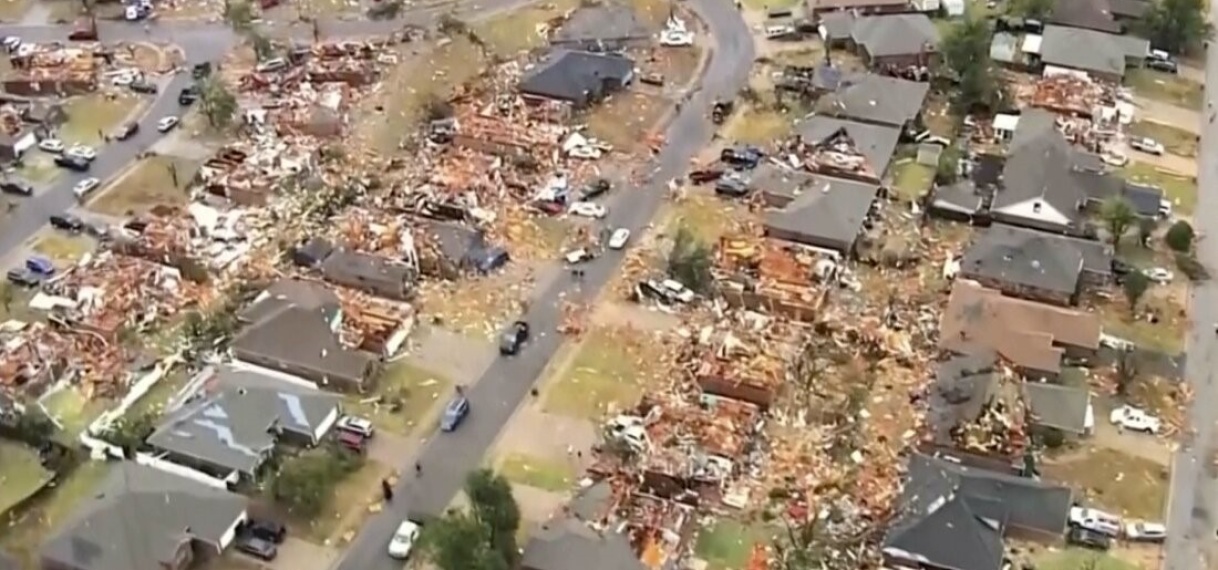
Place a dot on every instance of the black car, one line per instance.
(266, 529)
(257, 547)
(127, 131)
(746, 157)
(141, 86)
(201, 70)
(67, 222)
(72, 163)
(1121, 268)
(1089, 538)
(23, 277)
(597, 188)
(514, 337)
(16, 187)
(188, 95)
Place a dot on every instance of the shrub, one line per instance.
(1180, 236)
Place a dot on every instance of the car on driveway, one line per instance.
(72, 163)
(67, 222)
(40, 265)
(258, 548)
(356, 425)
(81, 151)
(1141, 531)
(188, 95)
(54, 146)
(85, 187)
(1088, 539)
(1159, 275)
(513, 338)
(17, 187)
(167, 124)
(454, 412)
(353, 442)
(1147, 145)
(143, 86)
(404, 539)
(1135, 419)
(267, 529)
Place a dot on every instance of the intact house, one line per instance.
(580, 78)
(1033, 337)
(293, 327)
(878, 99)
(820, 8)
(375, 274)
(892, 42)
(1109, 16)
(239, 419)
(570, 544)
(1038, 266)
(846, 149)
(955, 517)
(1101, 56)
(145, 518)
(818, 211)
(609, 26)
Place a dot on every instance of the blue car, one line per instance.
(454, 412)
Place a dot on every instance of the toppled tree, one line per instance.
(1135, 286)
(1191, 268)
(1118, 216)
(218, 104)
(1180, 237)
(1176, 25)
(483, 538)
(966, 54)
(690, 261)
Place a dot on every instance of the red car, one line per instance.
(352, 441)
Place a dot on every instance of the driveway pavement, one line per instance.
(1194, 488)
(448, 457)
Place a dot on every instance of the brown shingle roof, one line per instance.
(1028, 333)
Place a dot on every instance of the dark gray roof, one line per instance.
(592, 503)
(1057, 406)
(896, 34)
(611, 21)
(1036, 259)
(456, 242)
(837, 25)
(962, 196)
(1129, 8)
(780, 181)
(877, 98)
(139, 518)
(962, 531)
(1089, 50)
(232, 427)
(302, 338)
(876, 142)
(1144, 199)
(349, 266)
(287, 293)
(831, 209)
(567, 544)
(963, 385)
(1090, 14)
(576, 76)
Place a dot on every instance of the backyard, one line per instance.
(73, 411)
(151, 182)
(707, 217)
(405, 398)
(1166, 335)
(726, 544)
(1180, 190)
(912, 179)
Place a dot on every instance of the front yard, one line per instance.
(1175, 140)
(1166, 87)
(92, 116)
(151, 182)
(405, 398)
(1114, 481)
(24, 533)
(1179, 189)
(608, 372)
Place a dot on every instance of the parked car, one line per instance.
(597, 188)
(1088, 539)
(272, 65)
(513, 338)
(86, 186)
(747, 157)
(23, 277)
(81, 151)
(72, 163)
(1147, 145)
(705, 175)
(126, 131)
(54, 146)
(200, 70)
(188, 95)
(352, 441)
(11, 43)
(1095, 520)
(589, 210)
(580, 255)
(676, 38)
(17, 187)
(266, 529)
(125, 77)
(454, 412)
(668, 291)
(1146, 532)
(731, 186)
(166, 124)
(257, 547)
(356, 425)
(1135, 419)
(1159, 275)
(404, 539)
(619, 238)
(40, 265)
(1164, 65)
(143, 86)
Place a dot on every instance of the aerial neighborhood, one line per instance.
(607, 284)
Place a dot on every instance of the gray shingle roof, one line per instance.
(1090, 14)
(139, 518)
(1057, 406)
(963, 385)
(876, 142)
(568, 544)
(1027, 257)
(877, 98)
(1041, 165)
(287, 293)
(302, 338)
(231, 427)
(1090, 50)
(896, 34)
(830, 210)
(576, 76)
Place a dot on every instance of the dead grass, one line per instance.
(802, 56)
(12, 10)
(92, 116)
(1167, 335)
(626, 119)
(911, 179)
(21, 474)
(1114, 481)
(354, 499)
(547, 474)
(1176, 140)
(706, 216)
(417, 389)
(1165, 87)
(62, 247)
(25, 533)
(759, 124)
(608, 372)
(521, 30)
(478, 307)
(149, 183)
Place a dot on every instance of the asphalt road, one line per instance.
(1192, 523)
(447, 457)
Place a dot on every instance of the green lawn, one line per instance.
(21, 474)
(1079, 558)
(149, 183)
(158, 397)
(707, 217)
(73, 411)
(911, 179)
(1174, 139)
(23, 534)
(1180, 190)
(543, 473)
(759, 125)
(418, 390)
(63, 247)
(1167, 335)
(1166, 87)
(726, 544)
(92, 116)
(1139, 492)
(607, 373)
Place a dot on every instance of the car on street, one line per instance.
(1135, 419)
(267, 529)
(72, 163)
(200, 70)
(54, 146)
(676, 38)
(126, 131)
(84, 187)
(188, 95)
(167, 124)
(588, 210)
(143, 86)
(1089, 539)
(597, 188)
(81, 151)
(577, 256)
(356, 425)
(1141, 531)
(1146, 145)
(1159, 275)
(619, 238)
(17, 187)
(747, 157)
(67, 223)
(513, 338)
(125, 77)
(454, 412)
(258, 548)
(22, 277)
(404, 539)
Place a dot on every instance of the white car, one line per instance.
(1135, 419)
(84, 187)
(125, 77)
(1159, 275)
(167, 124)
(578, 256)
(11, 43)
(82, 151)
(403, 540)
(676, 38)
(677, 291)
(1146, 532)
(586, 152)
(589, 210)
(1114, 159)
(1147, 145)
(51, 145)
(1096, 520)
(619, 238)
(356, 425)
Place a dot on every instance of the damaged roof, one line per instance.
(576, 76)
(140, 518)
(1027, 333)
(568, 544)
(1031, 258)
(877, 98)
(963, 385)
(288, 293)
(876, 143)
(896, 34)
(356, 269)
(1089, 50)
(1060, 407)
(235, 426)
(830, 213)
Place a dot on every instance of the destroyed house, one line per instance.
(52, 71)
(895, 41)
(237, 424)
(1033, 337)
(660, 532)
(825, 213)
(741, 368)
(145, 518)
(580, 78)
(609, 26)
(877, 99)
(862, 7)
(846, 149)
(954, 517)
(770, 276)
(1038, 266)
(1102, 56)
(698, 447)
(568, 544)
(448, 249)
(374, 274)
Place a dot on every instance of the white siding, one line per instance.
(231, 534)
(325, 425)
(1029, 210)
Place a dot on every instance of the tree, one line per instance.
(264, 49)
(494, 506)
(239, 14)
(305, 482)
(1126, 372)
(1180, 236)
(690, 261)
(218, 104)
(1176, 25)
(966, 55)
(1033, 9)
(482, 539)
(948, 168)
(1135, 285)
(1118, 216)
(129, 432)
